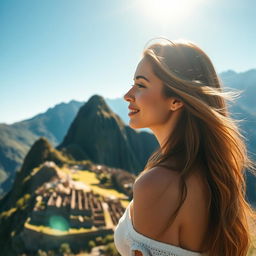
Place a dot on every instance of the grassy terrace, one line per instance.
(90, 179)
(8, 213)
(51, 231)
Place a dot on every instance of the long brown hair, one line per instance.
(208, 137)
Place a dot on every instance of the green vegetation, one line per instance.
(33, 172)
(20, 204)
(91, 244)
(23, 201)
(108, 239)
(8, 213)
(105, 178)
(65, 248)
(107, 242)
(110, 250)
(99, 240)
(41, 253)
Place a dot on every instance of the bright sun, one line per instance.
(165, 11)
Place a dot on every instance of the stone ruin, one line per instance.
(75, 202)
(79, 208)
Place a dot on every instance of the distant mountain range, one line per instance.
(16, 139)
(245, 81)
(93, 131)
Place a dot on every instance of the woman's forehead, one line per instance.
(144, 69)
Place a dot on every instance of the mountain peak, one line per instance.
(37, 152)
(93, 115)
(40, 152)
(97, 99)
(227, 74)
(97, 102)
(41, 143)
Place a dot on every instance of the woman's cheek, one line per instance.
(146, 97)
(142, 99)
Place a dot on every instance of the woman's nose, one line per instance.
(128, 96)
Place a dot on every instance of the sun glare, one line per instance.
(165, 11)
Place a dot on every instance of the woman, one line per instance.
(190, 198)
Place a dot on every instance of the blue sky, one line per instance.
(53, 51)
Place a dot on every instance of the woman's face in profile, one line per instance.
(146, 96)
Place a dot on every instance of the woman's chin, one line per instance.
(135, 126)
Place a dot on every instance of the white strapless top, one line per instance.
(127, 240)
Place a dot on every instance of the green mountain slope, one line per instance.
(16, 206)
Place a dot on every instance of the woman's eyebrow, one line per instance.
(143, 77)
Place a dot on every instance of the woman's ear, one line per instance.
(175, 104)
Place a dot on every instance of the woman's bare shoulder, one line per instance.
(155, 198)
(155, 182)
(159, 181)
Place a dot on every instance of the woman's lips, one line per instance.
(133, 110)
(131, 113)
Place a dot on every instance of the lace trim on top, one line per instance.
(158, 248)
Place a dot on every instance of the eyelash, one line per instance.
(140, 85)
